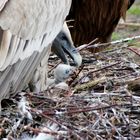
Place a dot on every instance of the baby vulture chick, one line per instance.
(63, 72)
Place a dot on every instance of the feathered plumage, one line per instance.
(96, 19)
(27, 29)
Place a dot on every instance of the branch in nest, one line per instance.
(89, 84)
(114, 42)
(130, 24)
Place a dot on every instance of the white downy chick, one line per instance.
(63, 72)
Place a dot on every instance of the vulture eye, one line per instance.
(63, 38)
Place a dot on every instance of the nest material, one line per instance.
(104, 105)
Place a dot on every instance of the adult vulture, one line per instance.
(96, 19)
(27, 30)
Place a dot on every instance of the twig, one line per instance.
(37, 131)
(80, 48)
(84, 109)
(74, 78)
(53, 112)
(71, 20)
(106, 67)
(114, 42)
(89, 84)
(135, 51)
(130, 24)
(54, 67)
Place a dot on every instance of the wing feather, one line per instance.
(27, 28)
(2, 4)
(5, 43)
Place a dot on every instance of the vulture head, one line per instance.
(63, 44)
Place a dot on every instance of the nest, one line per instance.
(102, 102)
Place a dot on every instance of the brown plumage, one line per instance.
(96, 19)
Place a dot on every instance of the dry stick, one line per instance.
(81, 110)
(71, 20)
(89, 84)
(54, 67)
(37, 131)
(75, 77)
(99, 70)
(2, 131)
(46, 115)
(106, 67)
(43, 114)
(85, 46)
(113, 50)
(52, 112)
(133, 50)
(114, 42)
(130, 24)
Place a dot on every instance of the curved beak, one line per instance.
(63, 45)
